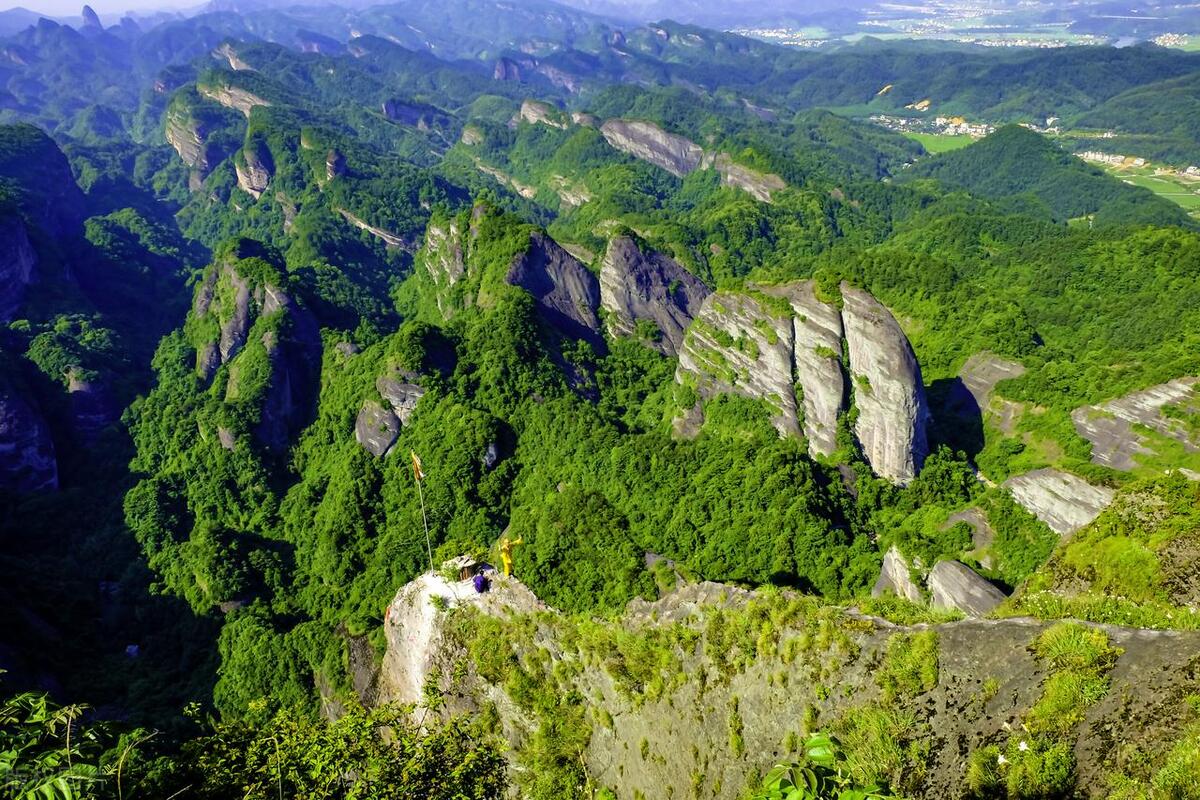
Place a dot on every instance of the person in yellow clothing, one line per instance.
(506, 546)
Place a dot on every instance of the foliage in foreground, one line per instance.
(51, 752)
(821, 775)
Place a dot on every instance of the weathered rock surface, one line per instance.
(254, 170)
(955, 586)
(388, 238)
(982, 371)
(1063, 501)
(413, 627)
(645, 140)
(681, 736)
(892, 411)
(27, 458)
(567, 293)
(817, 365)
(18, 266)
(376, 428)
(895, 576)
(227, 52)
(402, 395)
(738, 344)
(758, 185)
(637, 285)
(233, 97)
(443, 258)
(538, 113)
(1110, 427)
(92, 406)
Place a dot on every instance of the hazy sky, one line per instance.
(105, 8)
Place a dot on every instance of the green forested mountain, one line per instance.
(768, 405)
(1018, 165)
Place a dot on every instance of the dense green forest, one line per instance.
(251, 269)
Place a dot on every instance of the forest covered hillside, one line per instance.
(779, 417)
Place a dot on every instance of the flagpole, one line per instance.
(425, 522)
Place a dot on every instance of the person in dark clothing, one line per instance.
(481, 582)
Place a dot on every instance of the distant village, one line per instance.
(1118, 160)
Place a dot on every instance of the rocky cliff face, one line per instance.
(681, 156)
(713, 715)
(1112, 427)
(895, 577)
(567, 293)
(233, 97)
(954, 585)
(740, 344)
(92, 406)
(638, 286)
(817, 329)
(27, 459)
(892, 410)
(254, 170)
(18, 266)
(1063, 501)
(747, 344)
(243, 315)
(647, 141)
(537, 113)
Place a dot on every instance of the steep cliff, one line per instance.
(27, 459)
(817, 329)
(645, 140)
(18, 266)
(711, 685)
(742, 343)
(648, 287)
(269, 346)
(892, 411)
(254, 167)
(770, 341)
(40, 182)
(567, 293)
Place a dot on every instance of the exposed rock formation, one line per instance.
(335, 165)
(1063, 501)
(387, 237)
(760, 351)
(376, 428)
(681, 156)
(90, 20)
(471, 136)
(636, 285)
(954, 585)
(506, 70)
(647, 141)
(27, 460)
(895, 576)
(92, 406)
(230, 55)
(758, 185)
(892, 410)
(504, 179)
(680, 735)
(817, 366)
(402, 395)
(289, 340)
(1110, 427)
(18, 266)
(740, 344)
(233, 97)
(443, 254)
(535, 113)
(254, 170)
(567, 293)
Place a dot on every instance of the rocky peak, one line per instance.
(636, 286)
(234, 97)
(895, 577)
(335, 165)
(892, 411)
(567, 293)
(90, 19)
